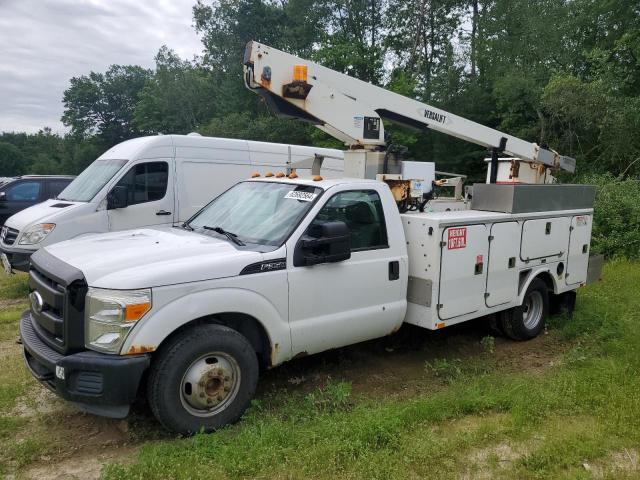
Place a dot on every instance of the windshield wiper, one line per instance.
(231, 236)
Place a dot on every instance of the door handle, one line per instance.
(394, 270)
(163, 212)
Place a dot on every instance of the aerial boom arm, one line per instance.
(352, 110)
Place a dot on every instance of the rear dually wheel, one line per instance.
(527, 320)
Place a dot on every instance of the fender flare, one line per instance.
(154, 328)
(546, 270)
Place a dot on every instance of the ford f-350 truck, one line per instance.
(280, 267)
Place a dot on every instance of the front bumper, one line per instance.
(18, 257)
(97, 383)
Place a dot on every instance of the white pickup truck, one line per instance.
(276, 268)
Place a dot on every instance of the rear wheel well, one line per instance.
(547, 279)
(242, 323)
(526, 279)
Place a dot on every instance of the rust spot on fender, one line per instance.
(140, 349)
(395, 329)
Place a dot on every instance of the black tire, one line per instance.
(527, 321)
(227, 369)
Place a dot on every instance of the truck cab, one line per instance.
(272, 269)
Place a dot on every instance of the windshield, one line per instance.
(91, 180)
(258, 212)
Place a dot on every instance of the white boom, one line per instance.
(352, 110)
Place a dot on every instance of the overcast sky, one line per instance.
(43, 43)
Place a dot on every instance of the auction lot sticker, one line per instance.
(299, 195)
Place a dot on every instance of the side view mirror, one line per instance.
(117, 197)
(323, 243)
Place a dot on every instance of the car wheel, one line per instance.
(203, 379)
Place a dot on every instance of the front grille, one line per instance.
(8, 235)
(57, 310)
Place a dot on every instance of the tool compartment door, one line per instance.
(502, 274)
(462, 270)
(578, 258)
(544, 237)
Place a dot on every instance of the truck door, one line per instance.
(364, 297)
(578, 258)
(502, 275)
(462, 270)
(150, 196)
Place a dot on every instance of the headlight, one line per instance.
(36, 233)
(110, 316)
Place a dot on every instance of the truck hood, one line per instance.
(44, 212)
(151, 257)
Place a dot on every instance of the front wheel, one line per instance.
(528, 320)
(203, 379)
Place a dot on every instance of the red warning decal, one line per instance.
(457, 238)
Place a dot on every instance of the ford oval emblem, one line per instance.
(37, 304)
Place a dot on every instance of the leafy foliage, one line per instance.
(104, 103)
(616, 229)
(11, 161)
(178, 98)
(563, 74)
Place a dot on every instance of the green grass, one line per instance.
(13, 287)
(476, 421)
(584, 411)
(13, 378)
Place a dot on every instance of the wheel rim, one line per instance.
(210, 384)
(532, 309)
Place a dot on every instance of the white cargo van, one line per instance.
(159, 180)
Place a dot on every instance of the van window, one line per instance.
(56, 186)
(91, 180)
(362, 211)
(146, 182)
(24, 192)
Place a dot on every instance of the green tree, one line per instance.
(267, 128)
(178, 98)
(353, 40)
(103, 104)
(227, 25)
(11, 160)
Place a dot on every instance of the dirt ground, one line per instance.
(392, 367)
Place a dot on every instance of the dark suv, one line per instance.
(22, 192)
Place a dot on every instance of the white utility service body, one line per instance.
(467, 264)
(174, 176)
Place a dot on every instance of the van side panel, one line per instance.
(204, 171)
